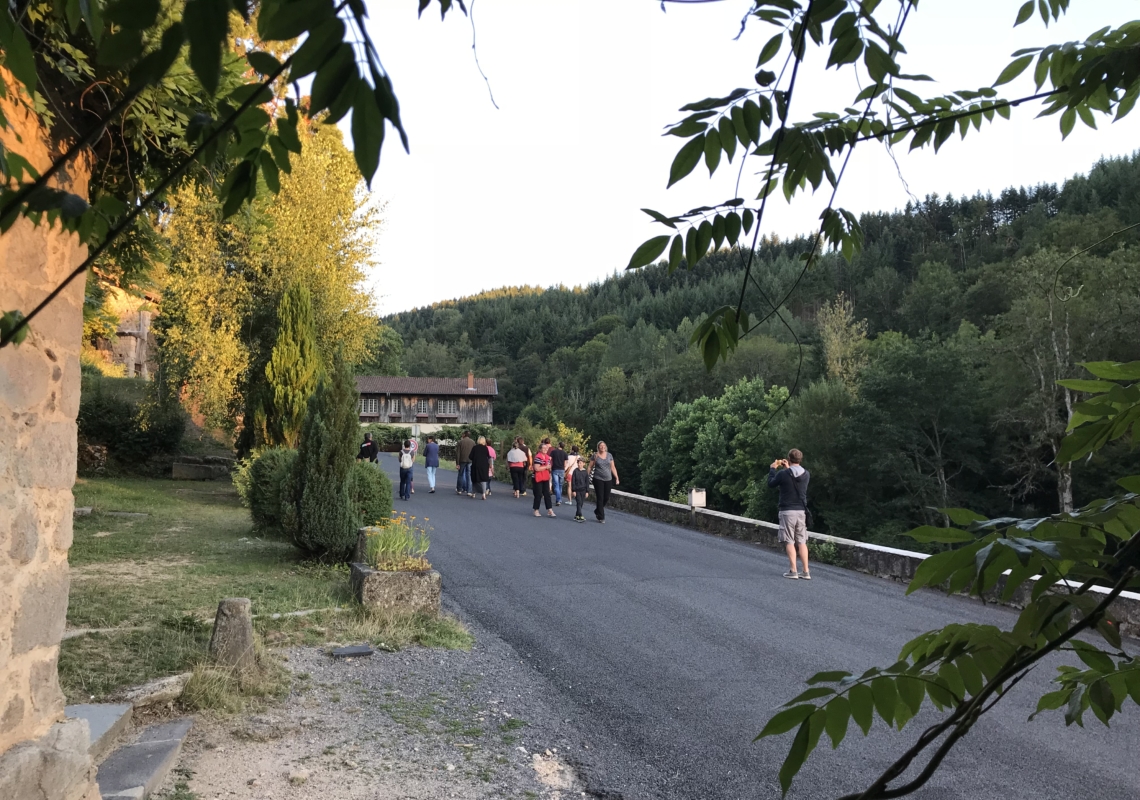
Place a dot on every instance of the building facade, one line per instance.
(426, 404)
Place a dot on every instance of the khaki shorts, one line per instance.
(793, 527)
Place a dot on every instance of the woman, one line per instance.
(517, 462)
(431, 461)
(491, 471)
(605, 474)
(542, 473)
(407, 461)
(480, 467)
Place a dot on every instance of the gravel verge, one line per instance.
(419, 723)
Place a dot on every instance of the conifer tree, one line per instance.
(293, 368)
(325, 522)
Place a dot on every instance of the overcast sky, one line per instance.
(546, 188)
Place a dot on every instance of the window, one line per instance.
(369, 405)
(394, 406)
(422, 407)
(447, 407)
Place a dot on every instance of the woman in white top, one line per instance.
(605, 474)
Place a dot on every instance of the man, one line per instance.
(792, 480)
(558, 462)
(368, 450)
(463, 463)
(431, 461)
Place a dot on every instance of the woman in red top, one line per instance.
(542, 478)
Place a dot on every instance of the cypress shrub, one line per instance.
(293, 369)
(269, 473)
(370, 492)
(325, 522)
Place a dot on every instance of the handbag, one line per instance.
(808, 521)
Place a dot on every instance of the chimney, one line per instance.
(470, 381)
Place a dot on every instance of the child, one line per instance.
(579, 487)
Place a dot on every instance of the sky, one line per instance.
(546, 188)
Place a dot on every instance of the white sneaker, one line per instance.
(795, 576)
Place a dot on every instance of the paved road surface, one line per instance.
(680, 645)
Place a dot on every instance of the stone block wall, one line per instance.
(40, 754)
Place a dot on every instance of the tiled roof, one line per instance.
(385, 384)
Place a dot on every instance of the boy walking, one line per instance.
(579, 487)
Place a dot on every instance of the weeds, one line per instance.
(825, 552)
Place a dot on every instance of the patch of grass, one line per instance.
(165, 573)
(824, 552)
(513, 724)
(97, 665)
(213, 688)
(181, 790)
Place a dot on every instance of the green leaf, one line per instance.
(157, 64)
(813, 693)
(264, 63)
(712, 149)
(838, 715)
(121, 48)
(367, 131)
(239, 183)
(930, 533)
(676, 252)
(785, 720)
(912, 691)
(727, 137)
(807, 737)
(207, 27)
(135, 15)
(1024, 13)
(827, 677)
(648, 251)
(269, 171)
(686, 159)
(691, 254)
(753, 118)
(962, 516)
(320, 44)
(748, 218)
(732, 227)
(718, 232)
(1114, 370)
(862, 706)
(332, 78)
(1052, 701)
(18, 56)
(288, 19)
(769, 50)
(1091, 387)
(1101, 700)
(1093, 657)
(1068, 120)
(704, 239)
(659, 217)
(1015, 68)
(886, 696)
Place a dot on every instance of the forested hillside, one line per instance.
(922, 374)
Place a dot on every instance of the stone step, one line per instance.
(135, 770)
(106, 721)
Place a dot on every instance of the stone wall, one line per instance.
(882, 562)
(41, 756)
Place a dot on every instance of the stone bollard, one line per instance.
(232, 644)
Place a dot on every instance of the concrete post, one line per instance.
(232, 644)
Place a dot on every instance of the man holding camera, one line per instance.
(791, 479)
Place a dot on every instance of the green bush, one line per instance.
(320, 517)
(370, 492)
(269, 473)
(121, 414)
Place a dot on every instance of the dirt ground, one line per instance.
(420, 723)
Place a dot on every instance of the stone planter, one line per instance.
(404, 592)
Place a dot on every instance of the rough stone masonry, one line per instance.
(42, 756)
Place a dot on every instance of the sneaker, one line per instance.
(431, 491)
(795, 576)
(806, 576)
(550, 513)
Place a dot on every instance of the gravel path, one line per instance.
(419, 723)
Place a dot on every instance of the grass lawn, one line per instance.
(159, 577)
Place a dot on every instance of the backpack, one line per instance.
(406, 459)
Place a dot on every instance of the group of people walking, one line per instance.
(554, 473)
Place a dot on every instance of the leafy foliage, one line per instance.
(269, 472)
(1097, 76)
(397, 546)
(370, 492)
(132, 428)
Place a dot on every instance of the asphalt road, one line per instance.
(680, 645)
